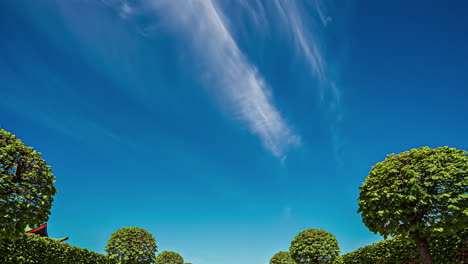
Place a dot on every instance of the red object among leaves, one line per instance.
(37, 229)
(42, 230)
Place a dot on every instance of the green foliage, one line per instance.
(393, 250)
(33, 249)
(282, 257)
(402, 249)
(26, 187)
(314, 246)
(423, 191)
(169, 257)
(132, 245)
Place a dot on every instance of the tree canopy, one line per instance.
(314, 246)
(26, 187)
(282, 257)
(417, 192)
(169, 257)
(132, 245)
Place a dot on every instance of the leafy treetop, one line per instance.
(26, 187)
(169, 257)
(132, 245)
(314, 246)
(417, 192)
(423, 190)
(282, 257)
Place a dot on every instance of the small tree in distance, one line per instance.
(314, 246)
(169, 257)
(132, 245)
(282, 257)
(420, 192)
(26, 187)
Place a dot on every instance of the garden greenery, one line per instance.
(282, 257)
(402, 249)
(34, 249)
(132, 245)
(169, 257)
(314, 246)
(421, 193)
(26, 187)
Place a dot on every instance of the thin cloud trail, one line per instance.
(256, 10)
(291, 19)
(229, 70)
(307, 32)
(308, 41)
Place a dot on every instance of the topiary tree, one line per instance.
(314, 246)
(282, 257)
(169, 257)
(132, 245)
(419, 192)
(26, 187)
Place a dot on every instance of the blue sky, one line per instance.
(226, 127)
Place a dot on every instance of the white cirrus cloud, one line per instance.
(229, 70)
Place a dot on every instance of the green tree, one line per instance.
(26, 187)
(282, 257)
(169, 257)
(418, 192)
(314, 246)
(132, 245)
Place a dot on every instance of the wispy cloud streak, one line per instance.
(306, 42)
(305, 24)
(229, 70)
(307, 32)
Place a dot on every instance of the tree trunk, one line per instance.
(423, 249)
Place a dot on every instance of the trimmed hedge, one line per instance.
(393, 250)
(400, 249)
(33, 249)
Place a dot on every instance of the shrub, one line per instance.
(132, 245)
(314, 246)
(34, 249)
(282, 257)
(402, 249)
(169, 257)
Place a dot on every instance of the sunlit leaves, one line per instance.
(401, 249)
(314, 246)
(33, 249)
(169, 257)
(132, 245)
(420, 190)
(26, 187)
(282, 257)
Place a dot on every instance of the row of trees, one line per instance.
(26, 190)
(136, 245)
(418, 193)
(309, 246)
(421, 193)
